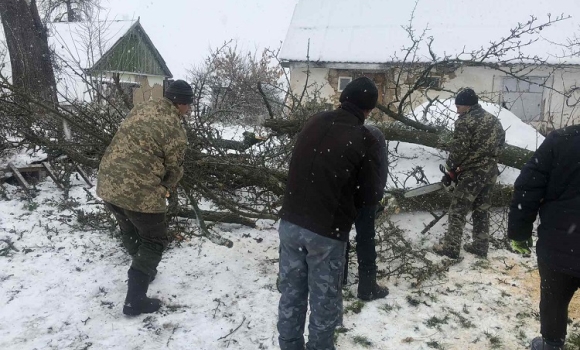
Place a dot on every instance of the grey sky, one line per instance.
(184, 30)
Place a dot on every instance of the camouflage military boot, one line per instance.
(137, 302)
(444, 250)
(540, 343)
(368, 289)
(479, 250)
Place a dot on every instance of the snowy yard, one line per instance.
(62, 285)
(63, 282)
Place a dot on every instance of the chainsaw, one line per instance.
(419, 191)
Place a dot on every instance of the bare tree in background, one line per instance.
(68, 10)
(26, 40)
(230, 85)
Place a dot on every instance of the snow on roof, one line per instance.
(77, 46)
(372, 31)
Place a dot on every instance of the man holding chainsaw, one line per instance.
(471, 169)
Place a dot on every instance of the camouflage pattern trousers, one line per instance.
(473, 192)
(144, 236)
(311, 263)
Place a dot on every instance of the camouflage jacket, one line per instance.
(477, 141)
(144, 159)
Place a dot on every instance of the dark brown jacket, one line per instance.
(333, 171)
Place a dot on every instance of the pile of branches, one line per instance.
(239, 180)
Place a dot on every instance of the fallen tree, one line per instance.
(511, 156)
(243, 181)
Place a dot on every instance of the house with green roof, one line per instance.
(94, 59)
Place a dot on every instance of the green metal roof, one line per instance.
(133, 52)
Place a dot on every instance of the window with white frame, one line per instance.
(343, 82)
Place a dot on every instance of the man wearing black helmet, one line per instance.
(472, 165)
(143, 162)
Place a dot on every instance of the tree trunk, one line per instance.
(511, 156)
(26, 38)
(216, 216)
(70, 12)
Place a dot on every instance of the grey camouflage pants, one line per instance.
(473, 192)
(309, 263)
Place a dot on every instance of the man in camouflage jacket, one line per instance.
(472, 164)
(142, 164)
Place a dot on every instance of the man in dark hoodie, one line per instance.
(333, 173)
(472, 164)
(549, 184)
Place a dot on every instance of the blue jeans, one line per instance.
(309, 263)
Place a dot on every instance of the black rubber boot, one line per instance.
(443, 250)
(368, 289)
(137, 302)
(479, 250)
(152, 277)
(540, 343)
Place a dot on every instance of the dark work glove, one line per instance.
(446, 180)
(448, 177)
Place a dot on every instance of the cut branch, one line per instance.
(407, 121)
(216, 216)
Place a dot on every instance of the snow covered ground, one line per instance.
(62, 286)
(63, 282)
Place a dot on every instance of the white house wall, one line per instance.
(559, 107)
(557, 110)
(317, 82)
